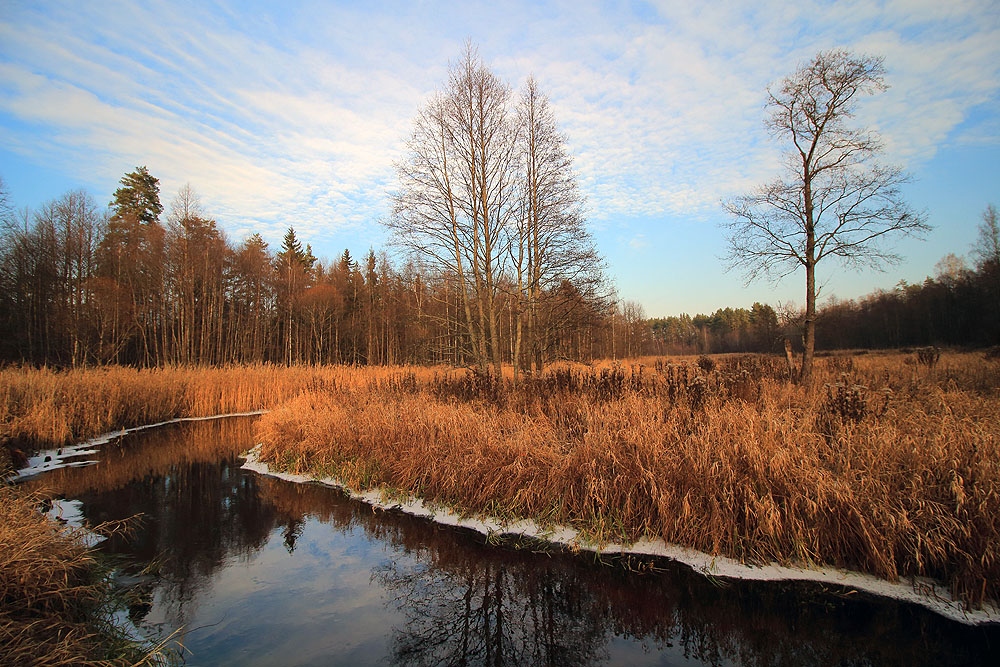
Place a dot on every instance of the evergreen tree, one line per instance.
(130, 266)
(139, 196)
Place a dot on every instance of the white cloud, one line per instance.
(638, 242)
(295, 117)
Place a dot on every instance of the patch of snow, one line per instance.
(70, 514)
(919, 590)
(73, 456)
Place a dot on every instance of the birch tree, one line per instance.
(487, 198)
(986, 250)
(457, 195)
(553, 244)
(835, 199)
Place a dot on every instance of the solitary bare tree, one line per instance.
(836, 199)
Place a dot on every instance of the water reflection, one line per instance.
(260, 571)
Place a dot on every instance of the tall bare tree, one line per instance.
(457, 194)
(488, 199)
(835, 199)
(78, 226)
(986, 251)
(196, 256)
(252, 299)
(987, 247)
(553, 244)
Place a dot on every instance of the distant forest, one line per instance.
(84, 286)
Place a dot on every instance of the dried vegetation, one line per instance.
(885, 464)
(56, 605)
(43, 407)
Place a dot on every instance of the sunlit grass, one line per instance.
(881, 465)
(43, 407)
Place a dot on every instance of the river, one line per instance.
(245, 569)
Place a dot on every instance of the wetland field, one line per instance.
(886, 464)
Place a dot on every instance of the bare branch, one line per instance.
(836, 199)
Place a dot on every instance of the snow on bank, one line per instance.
(919, 590)
(73, 456)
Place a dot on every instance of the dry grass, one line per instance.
(42, 407)
(882, 465)
(56, 605)
(52, 610)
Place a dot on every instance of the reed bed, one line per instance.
(56, 604)
(882, 465)
(44, 407)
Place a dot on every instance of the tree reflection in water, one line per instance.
(451, 599)
(489, 614)
(196, 507)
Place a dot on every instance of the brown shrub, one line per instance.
(54, 607)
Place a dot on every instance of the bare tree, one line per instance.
(987, 246)
(836, 199)
(986, 251)
(252, 299)
(552, 241)
(456, 194)
(488, 197)
(6, 207)
(196, 259)
(79, 226)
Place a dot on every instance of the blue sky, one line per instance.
(292, 114)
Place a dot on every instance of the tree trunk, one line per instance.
(809, 326)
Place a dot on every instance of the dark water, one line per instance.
(256, 571)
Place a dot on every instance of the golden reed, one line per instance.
(882, 465)
(42, 407)
(57, 604)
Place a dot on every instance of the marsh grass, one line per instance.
(43, 407)
(57, 606)
(883, 465)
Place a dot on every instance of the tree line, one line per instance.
(84, 286)
(81, 285)
(958, 307)
(499, 267)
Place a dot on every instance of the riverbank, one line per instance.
(46, 408)
(58, 606)
(922, 591)
(883, 466)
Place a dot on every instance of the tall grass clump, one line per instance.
(883, 465)
(57, 606)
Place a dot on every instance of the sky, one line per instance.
(293, 114)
